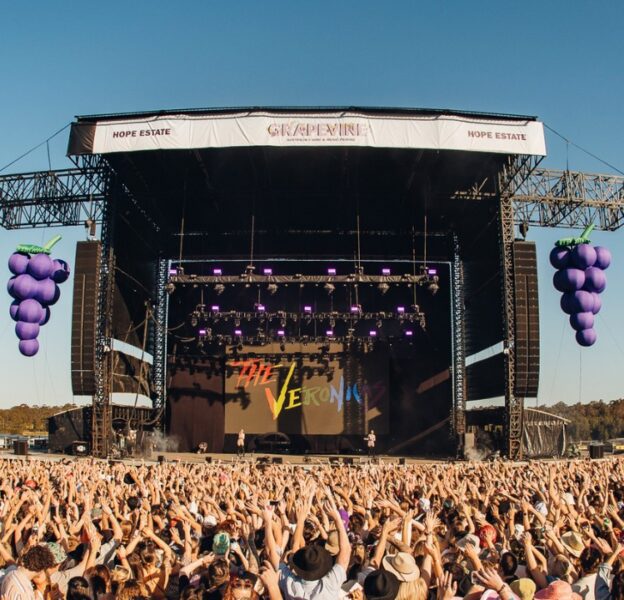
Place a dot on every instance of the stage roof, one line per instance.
(432, 129)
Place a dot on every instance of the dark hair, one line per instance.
(509, 564)
(132, 502)
(38, 558)
(590, 559)
(78, 589)
(617, 587)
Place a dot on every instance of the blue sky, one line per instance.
(557, 60)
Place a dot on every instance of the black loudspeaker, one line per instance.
(84, 317)
(161, 458)
(80, 448)
(263, 460)
(596, 451)
(348, 460)
(527, 319)
(278, 460)
(20, 447)
(208, 459)
(402, 461)
(334, 460)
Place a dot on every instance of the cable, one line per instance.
(34, 148)
(567, 141)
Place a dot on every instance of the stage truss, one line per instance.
(527, 195)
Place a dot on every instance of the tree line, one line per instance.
(596, 420)
(25, 419)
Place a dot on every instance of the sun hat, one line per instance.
(524, 588)
(569, 498)
(381, 585)
(573, 543)
(557, 590)
(311, 562)
(402, 565)
(469, 538)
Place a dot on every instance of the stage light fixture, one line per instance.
(259, 307)
(331, 271)
(272, 288)
(219, 288)
(214, 308)
(217, 272)
(329, 333)
(281, 332)
(383, 288)
(409, 332)
(329, 288)
(372, 333)
(401, 309)
(307, 309)
(202, 332)
(173, 271)
(385, 271)
(431, 271)
(356, 308)
(238, 332)
(267, 271)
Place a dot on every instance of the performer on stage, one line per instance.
(240, 443)
(371, 438)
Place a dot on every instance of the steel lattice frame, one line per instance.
(159, 352)
(458, 415)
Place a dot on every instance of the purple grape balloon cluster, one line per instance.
(580, 276)
(34, 287)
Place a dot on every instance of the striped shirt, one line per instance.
(16, 585)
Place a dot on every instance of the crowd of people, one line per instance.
(93, 530)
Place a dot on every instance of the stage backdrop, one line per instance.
(311, 395)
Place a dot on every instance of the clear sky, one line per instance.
(558, 60)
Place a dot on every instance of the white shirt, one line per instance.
(16, 585)
(295, 588)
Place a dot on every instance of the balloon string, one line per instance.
(580, 373)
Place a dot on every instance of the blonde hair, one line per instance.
(412, 590)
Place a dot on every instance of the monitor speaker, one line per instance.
(161, 458)
(526, 319)
(348, 460)
(278, 460)
(20, 447)
(84, 317)
(402, 461)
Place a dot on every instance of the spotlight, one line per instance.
(372, 333)
(383, 287)
(217, 272)
(271, 288)
(281, 332)
(307, 309)
(203, 331)
(219, 288)
(401, 310)
(238, 332)
(432, 271)
(409, 333)
(329, 288)
(173, 271)
(259, 307)
(385, 271)
(331, 271)
(214, 308)
(329, 333)
(267, 271)
(356, 308)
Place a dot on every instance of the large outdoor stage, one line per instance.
(315, 273)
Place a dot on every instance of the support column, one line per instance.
(159, 335)
(458, 369)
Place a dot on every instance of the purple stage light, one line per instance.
(355, 308)
(260, 307)
(307, 309)
(432, 271)
(214, 308)
(409, 332)
(268, 271)
(202, 332)
(329, 332)
(217, 272)
(331, 271)
(173, 271)
(400, 309)
(385, 271)
(372, 333)
(281, 332)
(238, 332)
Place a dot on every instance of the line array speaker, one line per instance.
(527, 319)
(84, 317)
